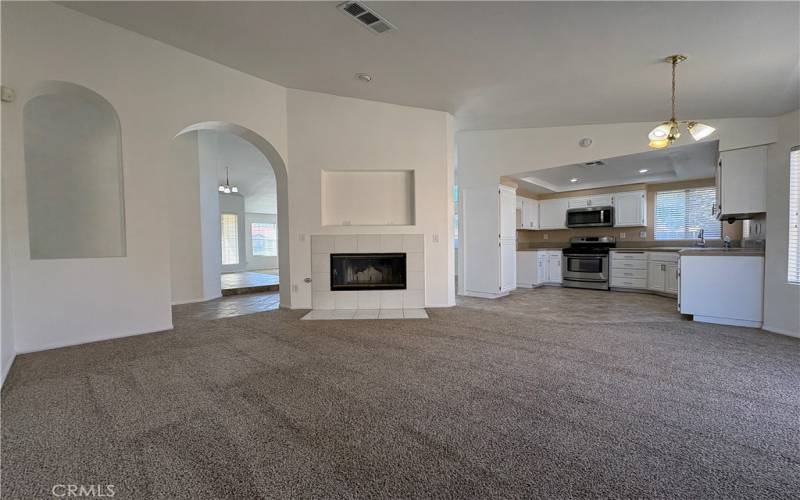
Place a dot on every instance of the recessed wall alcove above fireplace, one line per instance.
(368, 271)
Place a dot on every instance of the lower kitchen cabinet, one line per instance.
(641, 270)
(554, 267)
(711, 292)
(538, 267)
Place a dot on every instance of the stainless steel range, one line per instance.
(585, 262)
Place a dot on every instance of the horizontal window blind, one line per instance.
(794, 216)
(229, 232)
(264, 239)
(680, 214)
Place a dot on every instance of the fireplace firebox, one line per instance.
(368, 271)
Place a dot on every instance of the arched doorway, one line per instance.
(206, 267)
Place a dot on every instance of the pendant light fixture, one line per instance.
(227, 188)
(668, 132)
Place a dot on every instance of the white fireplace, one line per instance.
(376, 261)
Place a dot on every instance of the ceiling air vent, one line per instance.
(598, 163)
(366, 17)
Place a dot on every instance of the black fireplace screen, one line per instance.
(368, 271)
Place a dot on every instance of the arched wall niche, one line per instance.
(73, 173)
(278, 165)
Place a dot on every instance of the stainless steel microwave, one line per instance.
(590, 217)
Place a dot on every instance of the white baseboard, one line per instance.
(484, 295)
(727, 321)
(6, 369)
(781, 331)
(57, 345)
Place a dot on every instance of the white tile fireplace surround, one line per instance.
(413, 297)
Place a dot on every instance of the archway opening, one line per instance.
(228, 214)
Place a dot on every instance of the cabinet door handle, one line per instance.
(663, 267)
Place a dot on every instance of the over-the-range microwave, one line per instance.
(590, 217)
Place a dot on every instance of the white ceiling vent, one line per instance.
(366, 17)
(598, 163)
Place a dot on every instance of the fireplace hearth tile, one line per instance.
(415, 314)
(367, 314)
(391, 314)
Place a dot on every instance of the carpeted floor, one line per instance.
(546, 393)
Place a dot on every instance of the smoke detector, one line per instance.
(366, 17)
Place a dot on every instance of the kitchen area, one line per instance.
(687, 224)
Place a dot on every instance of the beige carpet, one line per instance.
(547, 393)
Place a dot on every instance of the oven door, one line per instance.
(585, 267)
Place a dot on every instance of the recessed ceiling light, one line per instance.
(642, 170)
(364, 77)
(574, 180)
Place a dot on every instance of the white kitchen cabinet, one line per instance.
(629, 269)
(553, 213)
(672, 279)
(662, 272)
(741, 183)
(711, 292)
(554, 267)
(630, 209)
(656, 276)
(489, 241)
(538, 267)
(598, 200)
(527, 213)
(527, 269)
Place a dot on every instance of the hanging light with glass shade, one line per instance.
(228, 188)
(668, 132)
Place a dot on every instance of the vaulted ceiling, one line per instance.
(503, 64)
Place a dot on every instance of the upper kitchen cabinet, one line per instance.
(598, 200)
(741, 183)
(630, 208)
(527, 213)
(553, 213)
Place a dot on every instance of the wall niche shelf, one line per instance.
(367, 198)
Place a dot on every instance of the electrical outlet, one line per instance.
(546, 236)
(622, 236)
(435, 237)
(643, 235)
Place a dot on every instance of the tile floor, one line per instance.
(328, 314)
(227, 307)
(249, 279)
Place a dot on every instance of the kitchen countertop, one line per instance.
(731, 252)
(649, 249)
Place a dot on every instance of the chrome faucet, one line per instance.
(701, 241)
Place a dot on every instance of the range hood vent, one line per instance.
(366, 17)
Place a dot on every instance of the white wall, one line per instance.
(186, 258)
(157, 91)
(234, 204)
(337, 133)
(781, 300)
(255, 262)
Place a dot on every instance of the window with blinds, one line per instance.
(229, 232)
(680, 214)
(794, 216)
(264, 238)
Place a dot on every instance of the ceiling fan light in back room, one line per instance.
(668, 132)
